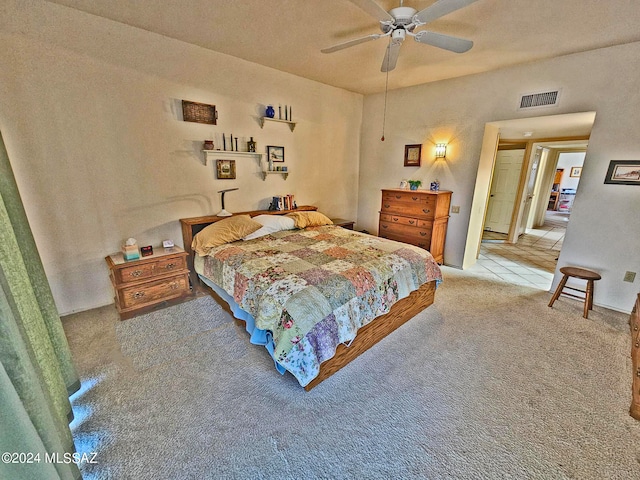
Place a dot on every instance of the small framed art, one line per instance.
(575, 172)
(226, 169)
(199, 112)
(275, 154)
(412, 154)
(623, 172)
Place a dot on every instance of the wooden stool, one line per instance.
(583, 274)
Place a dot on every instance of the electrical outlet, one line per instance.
(455, 208)
(629, 277)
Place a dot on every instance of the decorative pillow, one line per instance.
(271, 224)
(309, 219)
(223, 231)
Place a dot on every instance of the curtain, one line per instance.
(36, 370)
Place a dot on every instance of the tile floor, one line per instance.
(531, 261)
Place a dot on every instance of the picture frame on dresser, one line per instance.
(412, 155)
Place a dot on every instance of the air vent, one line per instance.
(545, 99)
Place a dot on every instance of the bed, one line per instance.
(305, 292)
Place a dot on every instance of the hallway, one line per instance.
(532, 261)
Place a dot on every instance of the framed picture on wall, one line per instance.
(412, 154)
(623, 172)
(575, 172)
(226, 169)
(275, 154)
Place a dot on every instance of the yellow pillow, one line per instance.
(224, 231)
(309, 219)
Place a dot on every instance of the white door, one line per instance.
(532, 178)
(504, 186)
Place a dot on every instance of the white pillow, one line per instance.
(271, 224)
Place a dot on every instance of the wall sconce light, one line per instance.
(441, 150)
(223, 212)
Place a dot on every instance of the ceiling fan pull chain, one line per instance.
(386, 88)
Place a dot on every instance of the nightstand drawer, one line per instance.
(136, 272)
(173, 264)
(151, 292)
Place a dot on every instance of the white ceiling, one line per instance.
(288, 34)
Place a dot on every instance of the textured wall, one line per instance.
(604, 228)
(90, 111)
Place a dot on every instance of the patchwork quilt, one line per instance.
(313, 289)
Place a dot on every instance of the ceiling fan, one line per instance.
(401, 21)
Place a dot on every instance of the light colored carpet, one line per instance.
(486, 383)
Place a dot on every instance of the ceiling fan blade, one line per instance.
(351, 43)
(440, 9)
(391, 57)
(453, 44)
(373, 9)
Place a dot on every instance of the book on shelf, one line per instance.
(283, 202)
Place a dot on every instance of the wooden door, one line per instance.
(504, 186)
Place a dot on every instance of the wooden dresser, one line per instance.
(148, 281)
(418, 217)
(634, 323)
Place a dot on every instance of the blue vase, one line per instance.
(270, 112)
(413, 187)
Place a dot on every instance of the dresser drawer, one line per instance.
(405, 231)
(410, 204)
(153, 291)
(400, 220)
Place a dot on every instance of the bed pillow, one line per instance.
(223, 231)
(271, 224)
(309, 219)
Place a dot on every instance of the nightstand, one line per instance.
(341, 222)
(148, 281)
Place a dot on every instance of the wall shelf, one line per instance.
(292, 125)
(268, 172)
(216, 154)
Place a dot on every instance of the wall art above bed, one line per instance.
(226, 169)
(199, 112)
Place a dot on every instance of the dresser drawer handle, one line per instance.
(170, 266)
(138, 295)
(426, 210)
(411, 222)
(395, 219)
(638, 372)
(398, 196)
(635, 328)
(423, 234)
(386, 205)
(136, 273)
(637, 344)
(174, 286)
(385, 226)
(414, 198)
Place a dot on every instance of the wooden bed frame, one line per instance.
(368, 336)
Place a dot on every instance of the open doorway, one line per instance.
(542, 138)
(551, 176)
